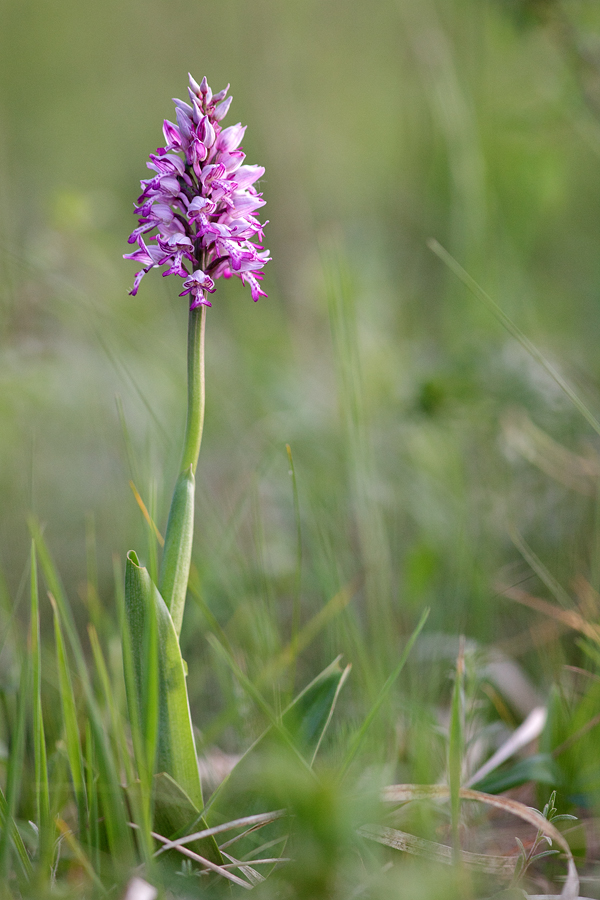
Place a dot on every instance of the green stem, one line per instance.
(195, 410)
(175, 568)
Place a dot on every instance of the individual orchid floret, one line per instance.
(197, 214)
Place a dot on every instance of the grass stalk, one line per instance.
(42, 791)
(385, 690)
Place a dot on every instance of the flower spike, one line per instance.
(198, 212)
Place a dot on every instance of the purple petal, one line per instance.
(231, 138)
(221, 95)
(206, 91)
(183, 106)
(247, 175)
(232, 160)
(194, 85)
(255, 287)
(172, 135)
(222, 109)
(185, 125)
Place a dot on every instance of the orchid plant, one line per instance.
(197, 220)
(197, 217)
(198, 214)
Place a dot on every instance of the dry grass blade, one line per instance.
(568, 617)
(528, 731)
(495, 865)
(403, 793)
(220, 870)
(251, 874)
(579, 473)
(255, 821)
(238, 863)
(262, 847)
(79, 854)
(146, 514)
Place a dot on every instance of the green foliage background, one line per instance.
(380, 125)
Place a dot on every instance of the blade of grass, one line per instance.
(308, 716)
(42, 791)
(456, 746)
(90, 593)
(288, 654)
(144, 510)
(342, 680)
(302, 725)
(92, 794)
(513, 329)
(361, 733)
(42, 795)
(121, 367)
(16, 762)
(152, 534)
(9, 827)
(72, 738)
(80, 855)
(298, 584)
(540, 569)
(55, 587)
(253, 692)
(129, 451)
(111, 795)
(309, 632)
(110, 703)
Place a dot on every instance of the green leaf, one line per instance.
(174, 812)
(253, 692)
(176, 750)
(297, 735)
(175, 816)
(540, 768)
(175, 568)
(308, 717)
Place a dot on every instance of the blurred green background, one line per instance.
(409, 410)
